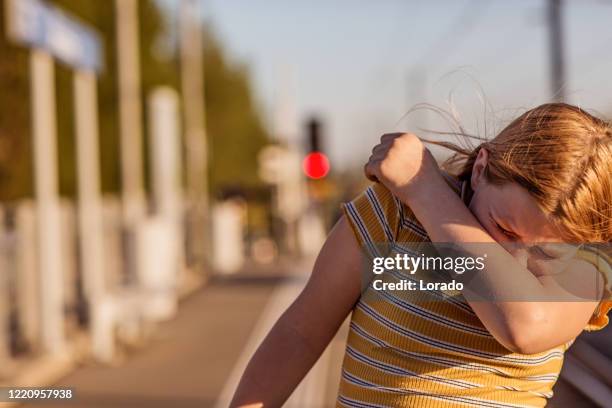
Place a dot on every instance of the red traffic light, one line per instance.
(315, 165)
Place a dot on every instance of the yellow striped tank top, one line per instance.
(428, 348)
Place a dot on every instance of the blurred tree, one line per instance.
(154, 72)
(15, 141)
(234, 128)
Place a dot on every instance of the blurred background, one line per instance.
(170, 168)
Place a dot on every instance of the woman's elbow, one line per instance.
(528, 336)
(524, 343)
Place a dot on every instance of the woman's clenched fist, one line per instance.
(399, 162)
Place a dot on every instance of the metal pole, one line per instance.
(47, 201)
(192, 90)
(557, 60)
(130, 110)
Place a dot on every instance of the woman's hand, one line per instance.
(400, 162)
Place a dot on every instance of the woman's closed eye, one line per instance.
(509, 234)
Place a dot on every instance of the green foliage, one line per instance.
(101, 15)
(235, 131)
(15, 142)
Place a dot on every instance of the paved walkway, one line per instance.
(196, 359)
(188, 359)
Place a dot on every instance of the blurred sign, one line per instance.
(36, 24)
(273, 164)
(280, 166)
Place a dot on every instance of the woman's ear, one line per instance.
(478, 169)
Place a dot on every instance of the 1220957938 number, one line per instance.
(24, 394)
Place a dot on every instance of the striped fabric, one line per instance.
(428, 348)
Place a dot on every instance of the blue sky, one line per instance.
(361, 64)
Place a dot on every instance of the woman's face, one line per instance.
(510, 214)
(512, 217)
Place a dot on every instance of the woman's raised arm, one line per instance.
(554, 316)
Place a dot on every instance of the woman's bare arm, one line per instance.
(305, 329)
(551, 317)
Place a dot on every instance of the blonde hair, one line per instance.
(562, 156)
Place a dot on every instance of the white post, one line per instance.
(47, 201)
(28, 280)
(162, 240)
(69, 244)
(228, 235)
(165, 152)
(91, 234)
(88, 170)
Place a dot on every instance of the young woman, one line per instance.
(546, 178)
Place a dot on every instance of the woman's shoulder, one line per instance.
(381, 214)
